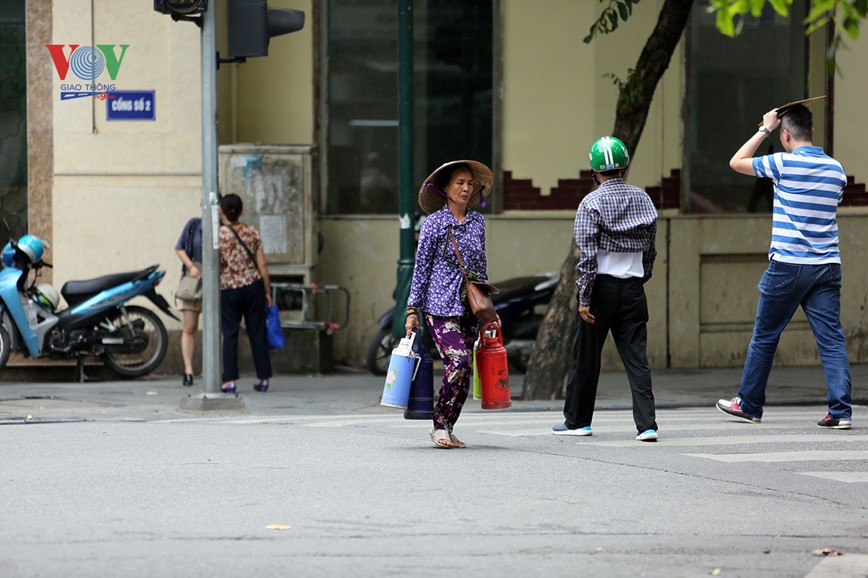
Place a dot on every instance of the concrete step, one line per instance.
(20, 369)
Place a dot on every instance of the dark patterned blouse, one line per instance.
(437, 279)
(237, 267)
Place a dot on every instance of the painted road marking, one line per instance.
(848, 477)
(800, 456)
(738, 440)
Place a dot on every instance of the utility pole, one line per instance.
(211, 398)
(211, 376)
(251, 25)
(406, 185)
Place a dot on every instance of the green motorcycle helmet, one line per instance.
(607, 154)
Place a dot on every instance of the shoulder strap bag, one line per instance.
(478, 294)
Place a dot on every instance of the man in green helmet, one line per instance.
(615, 230)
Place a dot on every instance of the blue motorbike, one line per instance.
(98, 321)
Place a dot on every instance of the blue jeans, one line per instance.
(783, 287)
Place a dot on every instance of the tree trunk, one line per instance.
(551, 356)
(635, 98)
(553, 350)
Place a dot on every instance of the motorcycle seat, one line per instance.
(75, 292)
(516, 286)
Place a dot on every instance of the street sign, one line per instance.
(130, 105)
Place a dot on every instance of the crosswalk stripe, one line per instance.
(800, 456)
(725, 426)
(540, 421)
(739, 440)
(791, 427)
(848, 477)
(532, 423)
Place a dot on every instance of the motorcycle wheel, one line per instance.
(380, 351)
(139, 364)
(5, 346)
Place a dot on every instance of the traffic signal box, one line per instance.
(252, 24)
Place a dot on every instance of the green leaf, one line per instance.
(822, 12)
(825, 5)
(831, 53)
(623, 11)
(756, 7)
(782, 7)
(723, 20)
(810, 29)
(818, 13)
(851, 27)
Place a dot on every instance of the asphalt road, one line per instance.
(316, 479)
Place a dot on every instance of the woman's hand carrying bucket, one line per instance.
(402, 369)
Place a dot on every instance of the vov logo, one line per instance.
(87, 63)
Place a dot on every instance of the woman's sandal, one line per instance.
(441, 438)
(456, 443)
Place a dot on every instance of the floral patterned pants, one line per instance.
(454, 337)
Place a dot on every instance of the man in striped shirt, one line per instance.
(804, 263)
(615, 231)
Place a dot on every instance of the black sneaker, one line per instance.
(733, 407)
(829, 422)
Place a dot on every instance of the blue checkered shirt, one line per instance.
(618, 218)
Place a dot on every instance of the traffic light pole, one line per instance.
(406, 202)
(211, 398)
(252, 40)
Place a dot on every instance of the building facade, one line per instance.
(507, 82)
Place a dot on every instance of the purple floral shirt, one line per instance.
(437, 279)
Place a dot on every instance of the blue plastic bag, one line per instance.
(273, 329)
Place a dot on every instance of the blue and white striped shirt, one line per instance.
(809, 186)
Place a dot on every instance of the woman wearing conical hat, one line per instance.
(451, 195)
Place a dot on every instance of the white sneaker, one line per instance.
(561, 429)
(649, 435)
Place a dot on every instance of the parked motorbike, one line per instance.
(98, 321)
(515, 304)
